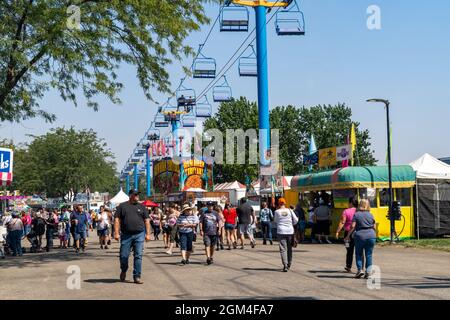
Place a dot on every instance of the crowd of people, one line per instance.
(70, 225)
(219, 229)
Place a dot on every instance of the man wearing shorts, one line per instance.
(80, 223)
(209, 223)
(246, 219)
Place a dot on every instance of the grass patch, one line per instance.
(442, 244)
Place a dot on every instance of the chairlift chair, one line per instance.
(185, 97)
(248, 66)
(203, 109)
(222, 92)
(153, 134)
(290, 22)
(160, 121)
(188, 120)
(234, 18)
(204, 67)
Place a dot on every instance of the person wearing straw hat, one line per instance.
(187, 222)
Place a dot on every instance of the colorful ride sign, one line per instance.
(6, 166)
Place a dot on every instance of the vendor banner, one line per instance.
(6, 166)
(166, 176)
(327, 157)
(344, 152)
(197, 174)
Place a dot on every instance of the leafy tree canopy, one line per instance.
(64, 159)
(42, 48)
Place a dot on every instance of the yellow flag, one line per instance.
(353, 141)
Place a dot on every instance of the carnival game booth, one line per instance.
(370, 183)
(432, 196)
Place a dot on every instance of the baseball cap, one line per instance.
(134, 191)
(210, 203)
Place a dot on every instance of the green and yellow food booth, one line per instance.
(370, 183)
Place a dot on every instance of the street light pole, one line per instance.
(391, 191)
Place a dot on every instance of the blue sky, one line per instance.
(339, 60)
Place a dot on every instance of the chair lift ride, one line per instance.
(185, 97)
(248, 65)
(160, 121)
(203, 109)
(188, 120)
(153, 135)
(222, 92)
(234, 18)
(291, 21)
(203, 67)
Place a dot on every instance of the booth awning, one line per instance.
(355, 177)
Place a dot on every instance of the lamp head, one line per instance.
(379, 100)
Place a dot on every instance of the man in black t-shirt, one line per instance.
(133, 220)
(246, 220)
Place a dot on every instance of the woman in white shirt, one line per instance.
(285, 219)
(103, 227)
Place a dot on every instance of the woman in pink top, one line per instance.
(346, 223)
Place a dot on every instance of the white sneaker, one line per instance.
(329, 242)
(169, 253)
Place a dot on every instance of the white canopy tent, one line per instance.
(235, 189)
(432, 196)
(428, 167)
(119, 198)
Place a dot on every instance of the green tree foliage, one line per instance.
(329, 124)
(39, 50)
(237, 114)
(64, 159)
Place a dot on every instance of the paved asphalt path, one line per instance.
(237, 274)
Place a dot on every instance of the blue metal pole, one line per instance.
(149, 181)
(263, 83)
(127, 181)
(136, 177)
(175, 126)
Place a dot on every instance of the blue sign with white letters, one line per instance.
(6, 160)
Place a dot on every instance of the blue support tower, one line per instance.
(149, 178)
(136, 177)
(127, 182)
(263, 84)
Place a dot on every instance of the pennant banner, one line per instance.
(311, 159)
(327, 157)
(344, 153)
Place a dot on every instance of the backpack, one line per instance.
(40, 226)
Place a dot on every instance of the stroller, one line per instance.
(33, 239)
(4, 246)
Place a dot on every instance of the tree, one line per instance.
(41, 48)
(64, 159)
(237, 114)
(329, 124)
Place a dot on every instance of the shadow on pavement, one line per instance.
(336, 277)
(426, 283)
(325, 271)
(42, 258)
(105, 281)
(263, 269)
(179, 264)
